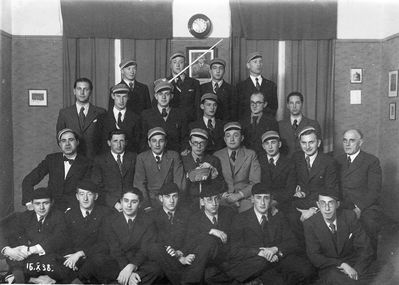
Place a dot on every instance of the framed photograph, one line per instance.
(37, 98)
(393, 84)
(356, 75)
(392, 111)
(200, 69)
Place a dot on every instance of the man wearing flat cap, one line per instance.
(120, 118)
(256, 82)
(209, 105)
(156, 167)
(82, 117)
(222, 89)
(138, 95)
(64, 170)
(240, 168)
(165, 115)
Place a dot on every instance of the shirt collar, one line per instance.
(328, 224)
(211, 217)
(259, 216)
(127, 218)
(71, 157)
(312, 158)
(127, 82)
(353, 156)
(116, 111)
(38, 217)
(80, 105)
(83, 211)
(155, 155)
(298, 119)
(167, 109)
(275, 158)
(218, 83)
(207, 119)
(253, 78)
(116, 155)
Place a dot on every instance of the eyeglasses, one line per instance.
(257, 103)
(330, 204)
(197, 144)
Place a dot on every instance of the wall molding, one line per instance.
(5, 34)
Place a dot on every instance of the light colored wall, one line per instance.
(5, 16)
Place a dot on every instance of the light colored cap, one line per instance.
(120, 88)
(155, 131)
(162, 84)
(253, 55)
(305, 129)
(177, 54)
(232, 126)
(127, 62)
(209, 96)
(219, 61)
(198, 132)
(270, 135)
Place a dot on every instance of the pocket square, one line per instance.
(95, 121)
(350, 235)
(190, 90)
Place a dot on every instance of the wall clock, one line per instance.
(199, 26)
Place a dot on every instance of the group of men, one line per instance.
(201, 185)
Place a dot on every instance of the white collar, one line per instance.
(275, 158)
(298, 119)
(115, 155)
(127, 218)
(259, 216)
(353, 156)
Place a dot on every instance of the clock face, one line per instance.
(199, 26)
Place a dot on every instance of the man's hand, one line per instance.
(299, 193)
(118, 206)
(71, 259)
(357, 211)
(348, 270)
(134, 279)
(185, 152)
(220, 234)
(232, 197)
(29, 206)
(124, 275)
(187, 260)
(269, 253)
(306, 214)
(18, 253)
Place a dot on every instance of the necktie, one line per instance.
(40, 224)
(68, 159)
(271, 161)
(263, 222)
(130, 225)
(233, 156)
(257, 84)
(87, 216)
(179, 83)
(214, 221)
(164, 114)
(119, 161)
(119, 120)
(295, 124)
(210, 125)
(332, 228)
(82, 117)
(216, 88)
(349, 161)
(158, 162)
(131, 85)
(170, 217)
(254, 120)
(197, 161)
(308, 162)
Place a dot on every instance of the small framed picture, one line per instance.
(393, 84)
(356, 75)
(392, 111)
(37, 98)
(200, 68)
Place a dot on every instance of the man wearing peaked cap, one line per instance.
(138, 94)
(200, 69)
(256, 82)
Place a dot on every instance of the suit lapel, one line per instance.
(254, 223)
(325, 233)
(73, 114)
(315, 167)
(166, 163)
(354, 165)
(74, 168)
(342, 232)
(126, 163)
(240, 160)
(225, 162)
(278, 169)
(59, 168)
(91, 115)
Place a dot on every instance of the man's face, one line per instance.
(261, 202)
(120, 100)
(217, 71)
(352, 142)
(309, 144)
(68, 143)
(163, 97)
(233, 139)
(86, 198)
(198, 145)
(294, 105)
(130, 204)
(82, 92)
(255, 66)
(211, 204)
(169, 201)
(41, 206)
(209, 107)
(117, 143)
(177, 64)
(157, 144)
(272, 147)
(129, 72)
(257, 104)
(328, 207)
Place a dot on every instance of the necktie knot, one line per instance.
(170, 217)
(87, 214)
(82, 117)
(130, 224)
(197, 161)
(131, 85)
(263, 221)
(271, 161)
(210, 125)
(164, 113)
(349, 161)
(233, 155)
(68, 160)
(158, 159)
(308, 162)
(216, 87)
(332, 228)
(40, 224)
(257, 85)
(254, 120)
(214, 221)
(295, 124)
(119, 120)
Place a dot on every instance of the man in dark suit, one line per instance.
(360, 181)
(138, 95)
(289, 128)
(39, 237)
(82, 118)
(336, 243)
(114, 170)
(240, 168)
(64, 170)
(165, 115)
(214, 127)
(156, 167)
(129, 235)
(119, 117)
(87, 253)
(263, 246)
(257, 123)
(256, 82)
(223, 90)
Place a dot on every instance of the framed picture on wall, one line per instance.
(393, 84)
(356, 75)
(392, 111)
(37, 98)
(200, 69)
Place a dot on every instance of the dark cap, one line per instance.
(41, 193)
(218, 61)
(232, 126)
(209, 96)
(253, 55)
(261, 188)
(155, 131)
(162, 84)
(88, 185)
(211, 189)
(127, 62)
(120, 88)
(330, 192)
(198, 132)
(168, 188)
(270, 135)
(177, 54)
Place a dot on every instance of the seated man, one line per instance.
(64, 170)
(128, 235)
(114, 170)
(263, 246)
(39, 236)
(156, 167)
(240, 168)
(86, 253)
(336, 243)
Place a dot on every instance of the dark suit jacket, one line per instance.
(139, 98)
(226, 96)
(129, 247)
(131, 125)
(149, 179)
(175, 127)
(106, 174)
(246, 88)
(63, 190)
(289, 136)
(89, 134)
(353, 245)
(281, 177)
(361, 182)
(216, 136)
(253, 133)
(322, 175)
(86, 233)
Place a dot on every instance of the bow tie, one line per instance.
(69, 160)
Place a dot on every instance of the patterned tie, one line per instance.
(210, 125)
(257, 84)
(349, 161)
(233, 155)
(170, 217)
(164, 114)
(87, 214)
(332, 228)
(216, 88)
(119, 162)
(120, 120)
(131, 86)
(295, 124)
(308, 162)
(158, 162)
(197, 161)
(40, 224)
(82, 117)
